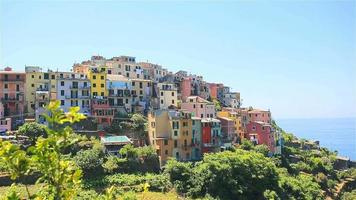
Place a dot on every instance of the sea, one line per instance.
(337, 134)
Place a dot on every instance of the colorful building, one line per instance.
(12, 93)
(141, 95)
(231, 99)
(228, 130)
(97, 77)
(168, 95)
(73, 89)
(155, 72)
(170, 132)
(196, 138)
(185, 88)
(211, 134)
(119, 88)
(199, 107)
(261, 133)
(259, 115)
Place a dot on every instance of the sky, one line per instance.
(296, 58)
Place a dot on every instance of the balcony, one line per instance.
(74, 87)
(42, 89)
(12, 80)
(85, 87)
(11, 99)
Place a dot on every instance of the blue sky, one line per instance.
(296, 58)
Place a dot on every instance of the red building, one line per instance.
(211, 133)
(261, 133)
(186, 88)
(102, 111)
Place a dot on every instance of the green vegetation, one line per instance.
(60, 157)
(33, 130)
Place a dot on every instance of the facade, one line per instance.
(155, 72)
(141, 95)
(73, 89)
(261, 133)
(231, 99)
(97, 77)
(259, 115)
(186, 88)
(211, 133)
(102, 112)
(213, 87)
(199, 107)
(196, 138)
(170, 133)
(40, 89)
(168, 95)
(228, 130)
(12, 93)
(119, 88)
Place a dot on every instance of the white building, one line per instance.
(73, 89)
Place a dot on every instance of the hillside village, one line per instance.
(187, 116)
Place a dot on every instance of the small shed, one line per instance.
(113, 143)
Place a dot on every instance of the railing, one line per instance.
(42, 89)
(73, 87)
(11, 99)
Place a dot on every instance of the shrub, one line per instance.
(89, 161)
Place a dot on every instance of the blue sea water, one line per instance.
(336, 134)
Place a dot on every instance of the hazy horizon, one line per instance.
(297, 59)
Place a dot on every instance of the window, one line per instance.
(32, 85)
(172, 101)
(140, 84)
(94, 77)
(33, 76)
(53, 77)
(175, 144)
(62, 92)
(46, 76)
(102, 94)
(85, 84)
(254, 128)
(5, 86)
(161, 93)
(201, 116)
(17, 77)
(133, 83)
(193, 105)
(62, 83)
(127, 74)
(175, 133)
(172, 94)
(95, 94)
(102, 77)
(165, 142)
(94, 84)
(161, 101)
(39, 77)
(201, 105)
(109, 71)
(102, 85)
(62, 102)
(193, 122)
(166, 152)
(177, 155)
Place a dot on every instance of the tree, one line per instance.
(179, 174)
(33, 130)
(59, 175)
(217, 105)
(263, 149)
(89, 161)
(139, 126)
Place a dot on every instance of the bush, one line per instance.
(89, 161)
(33, 130)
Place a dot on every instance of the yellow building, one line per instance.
(170, 133)
(97, 77)
(40, 88)
(141, 94)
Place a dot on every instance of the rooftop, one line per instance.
(115, 139)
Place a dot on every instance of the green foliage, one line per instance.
(33, 130)
(246, 145)
(263, 149)
(89, 161)
(301, 186)
(59, 175)
(348, 195)
(179, 174)
(129, 196)
(239, 174)
(217, 105)
(129, 152)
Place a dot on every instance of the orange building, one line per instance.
(12, 92)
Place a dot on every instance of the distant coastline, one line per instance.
(337, 134)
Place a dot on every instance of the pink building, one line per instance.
(5, 125)
(186, 88)
(261, 133)
(199, 107)
(228, 129)
(259, 115)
